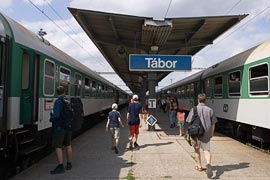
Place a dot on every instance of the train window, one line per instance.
(86, 87)
(99, 90)
(208, 88)
(106, 91)
(191, 91)
(25, 71)
(49, 71)
(183, 92)
(258, 80)
(179, 92)
(65, 79)
(218, 86)
(78, 84)
(234, 83)
(94, 88)
(187, 91)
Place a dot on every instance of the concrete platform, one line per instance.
(162, 155)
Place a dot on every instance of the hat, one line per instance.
(114, 106)
(135, 97)
(180, 108)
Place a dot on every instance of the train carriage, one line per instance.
(31, 69)
(238, 91)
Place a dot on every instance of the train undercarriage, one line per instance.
(244, 132)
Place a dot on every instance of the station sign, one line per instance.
(149, 62)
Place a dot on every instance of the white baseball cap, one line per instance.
(135, 96)
(114, 106)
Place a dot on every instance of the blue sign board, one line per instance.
(145, 62)
(151, 120)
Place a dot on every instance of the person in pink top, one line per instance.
(180, 119)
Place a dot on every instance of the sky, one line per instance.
(64, 32)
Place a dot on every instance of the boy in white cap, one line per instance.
(134, 117)
(114, 119)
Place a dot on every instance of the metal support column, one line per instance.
(152, 76)
(143, 93)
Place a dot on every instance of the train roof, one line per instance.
(2, 29)
(256, 53)
(194, 77)
(27, 38)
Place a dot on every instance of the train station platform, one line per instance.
(163, 154)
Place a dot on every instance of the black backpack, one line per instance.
(195, 128)
(67, 114)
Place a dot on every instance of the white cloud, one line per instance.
(39, 2)
(5, 4)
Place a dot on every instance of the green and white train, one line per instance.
(237, 89)
(30, 70)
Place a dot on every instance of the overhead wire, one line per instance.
(168, 8)
(248, 21)
(233, 6)
(42, 11)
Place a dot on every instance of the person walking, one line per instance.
(180, 120)
(134, 120)
(172, 113)
(208, 120)
(61, 135)
(114, 119)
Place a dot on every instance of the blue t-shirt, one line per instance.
(113, 117)
(134, 110)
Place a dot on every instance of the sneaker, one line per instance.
(136, 145)
(58, 170)
(209, 171)
(130, 147)
(69, 166)
(116, 150)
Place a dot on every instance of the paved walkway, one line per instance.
(162, 155)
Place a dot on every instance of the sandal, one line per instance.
(200, 169)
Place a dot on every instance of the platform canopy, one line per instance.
(117, 36)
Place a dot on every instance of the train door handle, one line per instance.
(28, 98)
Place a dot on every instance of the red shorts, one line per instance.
(133, 129)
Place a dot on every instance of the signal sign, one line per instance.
(151, 120)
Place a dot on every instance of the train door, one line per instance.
(29, 88)
(4, 56)
(1, 93)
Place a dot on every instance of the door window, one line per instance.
(25, 71)
(65, 79)
(49, 72)
(78, 84)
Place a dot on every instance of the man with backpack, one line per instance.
(61, 130)
(208, 121)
